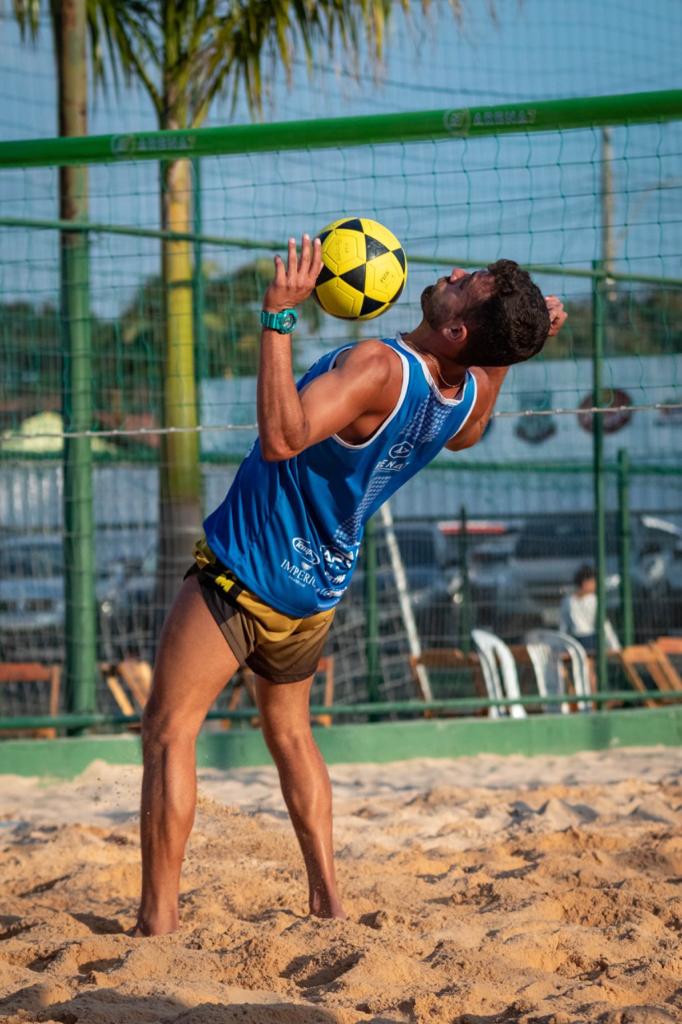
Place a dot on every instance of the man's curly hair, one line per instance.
(510, 326)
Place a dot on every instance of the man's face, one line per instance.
(455, 296)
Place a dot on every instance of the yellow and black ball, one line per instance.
(363, 269)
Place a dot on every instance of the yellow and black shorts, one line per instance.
(276, 646)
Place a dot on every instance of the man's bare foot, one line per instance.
(154, 924)
(324, 905)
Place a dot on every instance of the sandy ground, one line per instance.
(482, 890)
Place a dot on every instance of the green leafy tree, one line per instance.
(639, 321)
(231, 303)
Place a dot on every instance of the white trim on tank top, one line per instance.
(471, 407)
(396, 408)
(429, 379)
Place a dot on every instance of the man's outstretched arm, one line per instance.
(288, 420)
(489, 380)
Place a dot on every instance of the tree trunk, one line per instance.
(180, 477)
(79, 562)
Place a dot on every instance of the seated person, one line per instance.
(578, 613)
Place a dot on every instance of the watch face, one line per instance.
(288, 321)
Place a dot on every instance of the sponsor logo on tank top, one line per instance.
(398, 456)
(298, 574)
(305, 549)
(301, 574)
(335, 562)
(338, 561)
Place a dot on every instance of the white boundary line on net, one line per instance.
(14, 435)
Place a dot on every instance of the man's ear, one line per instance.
(457, 332)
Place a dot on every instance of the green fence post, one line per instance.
(79, 561)
(372, 612)
(598, 312)
(200, 349)
(465, 608)
(624, 550)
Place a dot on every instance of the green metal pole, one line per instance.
(598, 469)
(372, 710)
(200, 348)
(79, 573)
(465, 616)
(372, 612)
(458, 123)
(624, 549)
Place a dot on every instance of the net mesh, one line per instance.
(557, 201)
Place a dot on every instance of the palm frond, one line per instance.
(27, 14)
(241, 35)
(132, 33)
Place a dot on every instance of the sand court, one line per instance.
(483, 890)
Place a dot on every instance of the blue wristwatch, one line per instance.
(282, 322)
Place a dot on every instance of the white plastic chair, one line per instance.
(499, 672)
(548, 675)
(546, 649)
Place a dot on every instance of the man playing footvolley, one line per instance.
(280, 550)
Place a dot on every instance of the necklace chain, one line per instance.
(423, 355)
(442, 378)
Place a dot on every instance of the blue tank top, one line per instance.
(291, 530)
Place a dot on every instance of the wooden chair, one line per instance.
(245, 684)
(25, 672)
(668, 647)
(326, 667)
(129, 682)
(643, 658)
(441, 660)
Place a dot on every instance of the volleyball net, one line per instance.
(129, 339)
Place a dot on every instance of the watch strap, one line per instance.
(283, 322)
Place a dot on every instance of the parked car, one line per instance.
(433, 579)
(32, 601)
(133, 625)
(660, 613)
(519, 591)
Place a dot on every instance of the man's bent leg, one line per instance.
(284, 709)
(193, 664)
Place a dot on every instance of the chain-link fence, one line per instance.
(129, 390)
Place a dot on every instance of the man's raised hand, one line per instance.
(294, 282)
(557, 314)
